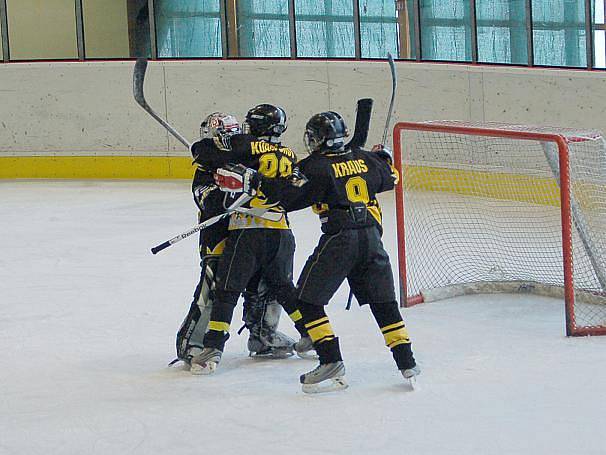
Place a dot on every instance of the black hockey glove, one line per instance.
(384, 152)
(237, 178)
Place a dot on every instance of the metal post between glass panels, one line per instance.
(357, 36)
(417, 29)
(79, 30)
(292, 27)
(4, 29)
(223, 16)
(529, 35)
(474, 31)
(589, 33)
(152, 29)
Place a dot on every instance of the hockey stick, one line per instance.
(363, 114)
(243, 199)
(139, 94)
(138, 81)
(394, 86)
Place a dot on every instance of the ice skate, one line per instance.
(276, 345)
(410, 375)
(327, 377)
(305, 348)
(206, 362)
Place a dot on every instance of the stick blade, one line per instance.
(363, 115)
(138, 80)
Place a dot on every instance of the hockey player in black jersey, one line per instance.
(260, 316)
(341, 187)
(260, 241)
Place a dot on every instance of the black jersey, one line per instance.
(271, 160)
(338, 182)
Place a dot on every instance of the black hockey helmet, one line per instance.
(325, 132)
(265, 120)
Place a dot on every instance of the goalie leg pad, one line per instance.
(191, 333)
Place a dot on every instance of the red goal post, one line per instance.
(492, 207)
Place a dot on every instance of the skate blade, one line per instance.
(203, 370)
(330, 385)
(276, 354)
(412, 382)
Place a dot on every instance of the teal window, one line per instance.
(325, 28)
(559, 32)
(445, 30)
(502, 34)
(263, 28)
(599, 34)
(188, 28)
(378, 28)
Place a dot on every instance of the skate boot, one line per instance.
(206, 362)
(275, 344)
(326, 377)
(410, 374)
(305, 348)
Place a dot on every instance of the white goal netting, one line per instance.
(483, 213)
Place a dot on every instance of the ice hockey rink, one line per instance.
(88, 319)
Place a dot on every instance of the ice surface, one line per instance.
(87, 324)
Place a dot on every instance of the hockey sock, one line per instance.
(286, 297)
(320, 331)
(394, 332)
(220, 319)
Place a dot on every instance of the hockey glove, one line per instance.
(237, 178)
(384, 152)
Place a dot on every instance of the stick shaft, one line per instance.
(138, 81)
(394, 86)
(243, 199)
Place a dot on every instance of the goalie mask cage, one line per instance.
(485, 208)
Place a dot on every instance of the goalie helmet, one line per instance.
(325, 133)
(220, 127)
(266, 120)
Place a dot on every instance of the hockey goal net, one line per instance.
(486, 208)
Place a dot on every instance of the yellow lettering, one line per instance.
(351, 168)
(362, 164)
(335, 168)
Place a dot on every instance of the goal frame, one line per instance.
(564, 189)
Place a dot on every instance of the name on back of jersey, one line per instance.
(349, 167)
(260, 148)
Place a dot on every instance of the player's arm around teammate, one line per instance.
(255, 244)
(342, 186)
